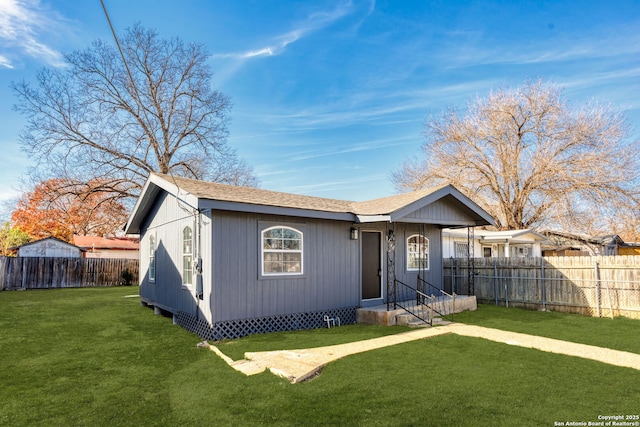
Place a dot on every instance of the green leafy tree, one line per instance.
(11, 236)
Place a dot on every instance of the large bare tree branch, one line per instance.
(531, 160)
(91, 121)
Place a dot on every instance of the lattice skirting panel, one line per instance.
(287, 322)
(200, 327)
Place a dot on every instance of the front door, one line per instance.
(371, 265)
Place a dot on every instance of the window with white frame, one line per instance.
(417, 252)
(152, 258)
(187, 256)
(281, 251)
(486, 251)
(461, 249)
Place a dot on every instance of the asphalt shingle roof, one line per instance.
(257, 196)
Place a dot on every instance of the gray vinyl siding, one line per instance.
(234, 287)
(434, 274)
(446, 211)
(330, 278)
(166, 221)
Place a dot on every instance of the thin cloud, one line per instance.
(4, 62)
(331, 186)
(568, 49)
(22, 25)
(375, 145)
(376, 107)
(314, 22)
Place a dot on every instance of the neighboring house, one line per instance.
(109, 246)
(629, 248)
(228, 261)
(50, 247)
(567, 244)
(492, 244)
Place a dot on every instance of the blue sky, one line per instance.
(329, 97)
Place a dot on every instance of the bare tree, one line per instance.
(531, 160)
(99, 120)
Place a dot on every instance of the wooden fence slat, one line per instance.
(42, 273)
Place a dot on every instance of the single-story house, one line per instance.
(229, 261)
(492, 244)
(570, 244)
(49, 247)
(109, 246)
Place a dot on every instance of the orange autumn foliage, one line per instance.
(61, 209)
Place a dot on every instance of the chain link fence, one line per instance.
(594, 286)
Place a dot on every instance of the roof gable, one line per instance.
(443, 205)
(44, 241)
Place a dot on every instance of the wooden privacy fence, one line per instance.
(44, 273)
(595, 286)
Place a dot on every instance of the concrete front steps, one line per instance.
(412, 321)
(378, 315)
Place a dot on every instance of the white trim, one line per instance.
(186, 285)
(373, 218)
(152, 236)
(283, 251)
(406, 253)
(383, 268)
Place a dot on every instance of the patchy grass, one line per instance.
(93, 357)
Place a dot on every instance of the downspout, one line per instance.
(198, 263)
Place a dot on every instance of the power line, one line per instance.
(124, 61)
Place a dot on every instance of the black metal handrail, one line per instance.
(413, 301)
(422, 284)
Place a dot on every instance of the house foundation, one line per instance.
(379, 315)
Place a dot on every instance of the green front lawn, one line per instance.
(92, 357)
(619, 333)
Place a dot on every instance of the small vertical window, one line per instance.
(152, 258)
(281, 251)
(461, 249)
(187, 256)
(417, 252)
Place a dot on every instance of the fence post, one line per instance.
(608, 296)
(433, 302)
(597, 276)
(544, 285)
(457, 271)
(495, 280)
(506, 292)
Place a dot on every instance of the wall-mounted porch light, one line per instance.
(354, 233)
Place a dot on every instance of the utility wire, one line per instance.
(124, 61)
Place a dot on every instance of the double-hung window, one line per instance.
(282, 251)
(187, 256)
(417, 252)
